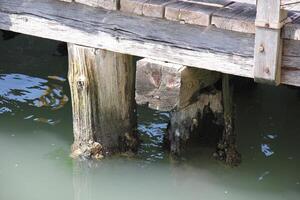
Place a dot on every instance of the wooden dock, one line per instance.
(227, 47)
(240, 38)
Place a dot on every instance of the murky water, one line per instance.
(36, 133)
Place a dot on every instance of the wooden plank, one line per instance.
(132, 6)
(290, 4)
(291, 63)
(236, 17)
(241, 17)
(214, 3)
(268, 42)
(166, 86)
(192, 11)
(155, 8)
(196, 14)
(107, 4)
(292, 30)
(150, 8)
(172, 10)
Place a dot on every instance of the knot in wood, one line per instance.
(261, 48)
(267, 70)
(267, 25)
(81, 83)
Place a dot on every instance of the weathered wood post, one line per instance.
(104, 111)
(227, 146)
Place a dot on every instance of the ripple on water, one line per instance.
(19, 92)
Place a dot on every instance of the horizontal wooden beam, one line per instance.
(167, 86)
(196, 46)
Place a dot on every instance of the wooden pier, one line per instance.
(187, 46)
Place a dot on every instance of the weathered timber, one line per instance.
(193, 12)
(168, 86)
(241, 17)
(292, 30)
(102, 87)
(132, 6)
(155, 8)
(268, 42)
(107, 4)
(202, 47)
(150, 8)
(227, 146)
(289, 74)
(236, 17)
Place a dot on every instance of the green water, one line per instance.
(36, 134)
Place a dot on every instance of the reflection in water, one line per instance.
(37, 92)
(82, 179)
(19, 90)
(36, 134)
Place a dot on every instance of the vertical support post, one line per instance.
(227, 148)
(268, 42)
(102, 87)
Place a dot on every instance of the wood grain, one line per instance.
(166, 86)
(102, 86)
(236, 17)
(107, 4)
(268, 42)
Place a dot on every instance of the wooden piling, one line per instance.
(227, 147)
(104, 113)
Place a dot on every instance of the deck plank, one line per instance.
(107, 4)
(236, 17)
(193, 11)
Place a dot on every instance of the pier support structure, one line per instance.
(227, 146)
(196, 104)
(104, 111)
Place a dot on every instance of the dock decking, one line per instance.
(207, 47)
